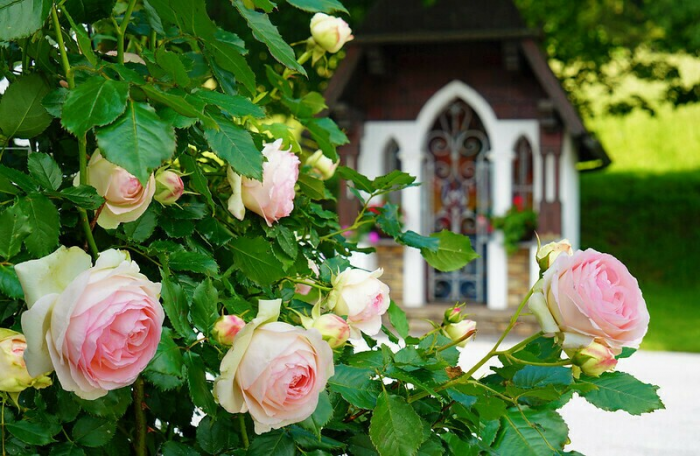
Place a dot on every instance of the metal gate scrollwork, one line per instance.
(458, 198)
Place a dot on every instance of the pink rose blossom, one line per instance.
(273, 198)
(362, 297)
(14, 377)
(593, 295)
(456, 331)
(97, 327)
(329, 32)
(595, 359)
(333, 329)
(274, 371)
(125, 198)
(169, 187)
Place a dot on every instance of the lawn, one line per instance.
(645, 209)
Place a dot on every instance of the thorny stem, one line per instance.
(140, 416)
(244, 433)
(62, 48)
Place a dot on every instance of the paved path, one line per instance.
(673, 431)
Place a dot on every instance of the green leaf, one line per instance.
(489, 407)
(9, 283)
(326, 134)
(454, 252)
(197, 180)
(200, 388)
(171, 63)
(215, 436)
(234, 144)
(395, 180)
(626, 352)
(398, 319)
(96, 102)
(194, 262)
(53, 101)
(309, 441)
(178, 104)
(321, 416)
(431, 447)
(361, 181)
(20, 179)
(84, 196)
(204, 306)
(33, 433)
(93, 432)
(14, 228)
(234, 105)
(621, 391)
(66, 449)
(324, 6)
(361, 445)
(44, 169)
(229, 58)
(388, 220)
(138, 141)
(395, 426)
(176, 306)
(142, 228)
(266, 33)
(172, 448)
(21, 112)
(214, 231)
(276, 442)
(21, 18)
(415, 240)
(253, 256)
(541, 376)
(89, 11)
(112, 406)
(355, 385)
(190, 16)
(531, 433)
(311, 187)
(166, 368)
(307, 106)
(43, 223)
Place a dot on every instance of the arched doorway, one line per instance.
(458, 197)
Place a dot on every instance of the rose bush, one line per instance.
(97, 327)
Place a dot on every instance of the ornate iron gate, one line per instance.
(458, 197)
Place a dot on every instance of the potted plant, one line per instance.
(518, 224)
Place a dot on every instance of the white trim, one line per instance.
(569, 193)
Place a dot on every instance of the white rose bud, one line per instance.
(329, 32)
(595, 359)
(322, 166)
(457, 331)
(14, 377)
(333, 329)
(549, 252)
(226, 328)
(169, 187)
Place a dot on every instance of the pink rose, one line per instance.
(169, 187)
(333, 329)
(362, 297)
(464, 330)
(125, 198)
(593, 295)
(547, 253)
(321, 166)
(329, 32)
(273, 198)
(226, 328)
(274, 371)
(97, 327)
(14, 377)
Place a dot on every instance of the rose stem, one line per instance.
(244, 433)
(140, 443)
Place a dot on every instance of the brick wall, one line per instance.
(518, 276)
(390, 258)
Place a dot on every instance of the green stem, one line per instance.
(82, 156)
(562, 362)
(140, 416)
(352, 227)
(244, 433)
(62, 48)
(466, 377)
(2, 426)
(457, 341)
(309, 283)
(520, 344)
(121, 30)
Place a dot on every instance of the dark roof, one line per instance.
(410, 20)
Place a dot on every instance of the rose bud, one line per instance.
(595, 359)
(14, 377)
(169, 187)
(457, 331)
(329, 32)
(549, 252)
(453, 314)
(333, 329)
(322, 166)
(226, 328)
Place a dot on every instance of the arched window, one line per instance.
(523, 177)
(458, 197)
(392, 162)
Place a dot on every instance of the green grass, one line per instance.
(645, 210)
